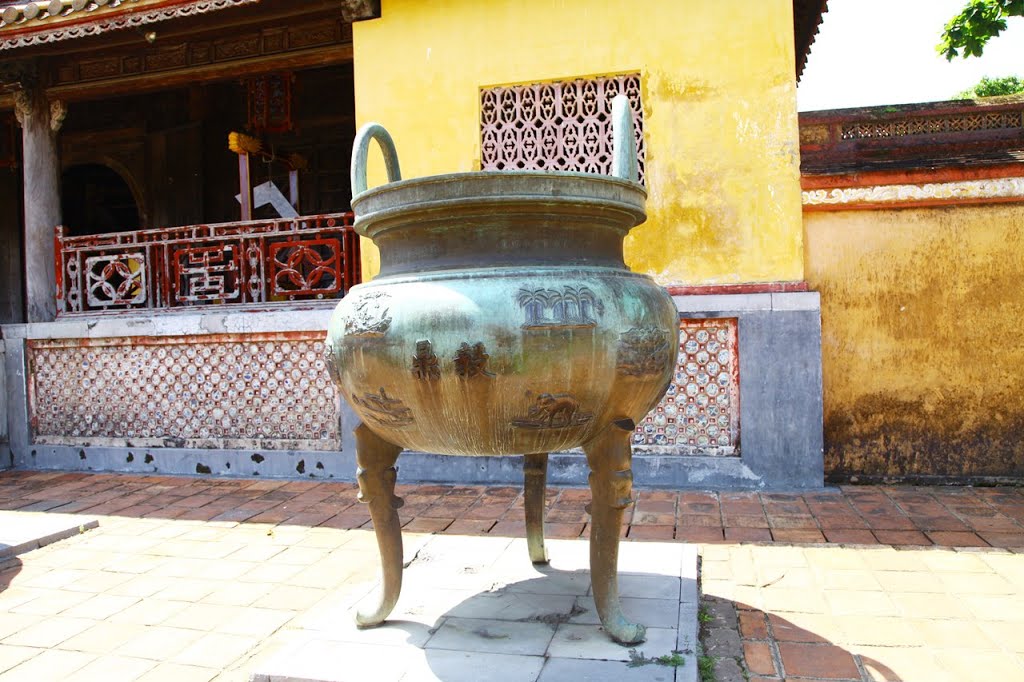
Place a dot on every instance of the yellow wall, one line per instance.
(719, 98)
(921, 338)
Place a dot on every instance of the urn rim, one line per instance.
(525, 192)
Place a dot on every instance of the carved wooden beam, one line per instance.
(357, 10)
(18, 75)
(126, 85)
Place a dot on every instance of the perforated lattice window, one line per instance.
(563, 125)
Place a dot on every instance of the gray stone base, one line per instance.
(474, 608)
(187, 461)
(564, 469)
(780, 418)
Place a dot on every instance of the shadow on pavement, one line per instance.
(457, 628)
(775, 647)
(9, 568)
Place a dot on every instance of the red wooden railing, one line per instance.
(259, 261)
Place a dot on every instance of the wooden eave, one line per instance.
(913, 143)
(40, 23)
(807, 16)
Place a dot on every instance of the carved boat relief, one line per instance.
(424, 363)
(370, 316)
(471, 361)
(570, 308)
(383, 409)
(643, 351)
(553, 411)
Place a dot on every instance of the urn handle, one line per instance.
(623, 141)
(361, 150)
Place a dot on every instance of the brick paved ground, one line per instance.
(186, 578)
(899, 516)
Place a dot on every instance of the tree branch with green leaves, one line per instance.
(966, 34)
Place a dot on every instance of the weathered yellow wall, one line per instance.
(719, 102)
(921, 339)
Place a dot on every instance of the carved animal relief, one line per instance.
(553, 411)
(471, 361)
(383, 409)
(370, 317)
(642, 351)
(569, 308)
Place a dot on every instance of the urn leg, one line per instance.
(535, 475)
(611, 486)
(376, 472)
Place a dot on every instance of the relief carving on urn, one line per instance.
(471, 361)
(642, 351)
(370, 317)
(570, 308)
(424, 364)
(383, 409)
(553, 411)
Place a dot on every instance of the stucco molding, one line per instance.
(938, 192)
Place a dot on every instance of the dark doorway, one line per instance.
(95, 199)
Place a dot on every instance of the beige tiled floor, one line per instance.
(147, 599)
(869, 583)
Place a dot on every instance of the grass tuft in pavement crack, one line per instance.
(673, 660)
(706, 668)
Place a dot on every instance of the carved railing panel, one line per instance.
(931, 125)
(310, 257)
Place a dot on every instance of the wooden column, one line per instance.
(40, 120)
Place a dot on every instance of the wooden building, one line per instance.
(125, 111)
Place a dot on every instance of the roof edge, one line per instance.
(80, 19)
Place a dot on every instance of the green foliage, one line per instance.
(703, 615)
(706, 668)
(977, 22)
(993, 87)
(672, 660)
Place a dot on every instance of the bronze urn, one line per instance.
(504, 321)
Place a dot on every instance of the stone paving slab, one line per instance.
(200, 578)
(23, 531)
(518, 623)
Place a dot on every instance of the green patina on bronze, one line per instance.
(503, 322)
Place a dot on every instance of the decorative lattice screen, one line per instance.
(268, 391)
(931, 125)
(563, 125)
(700, 413)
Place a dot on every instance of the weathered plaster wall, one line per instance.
(921, 340)
(719, 107)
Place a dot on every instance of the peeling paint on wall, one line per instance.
(921, 339)
(719, 110)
